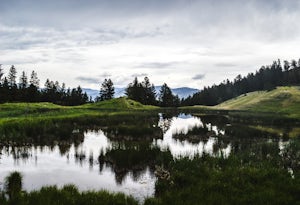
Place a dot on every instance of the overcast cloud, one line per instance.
(181, 42)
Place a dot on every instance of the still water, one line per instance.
(101, 162)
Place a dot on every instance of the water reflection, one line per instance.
(122, 156)
(80, 165)
(181, 126)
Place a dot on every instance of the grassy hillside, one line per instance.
(119, 104)
(282, 100)
(34, 111)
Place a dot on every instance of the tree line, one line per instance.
(28, 90)
(143, 92)
(266, 78)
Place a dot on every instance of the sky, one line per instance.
(193, 43)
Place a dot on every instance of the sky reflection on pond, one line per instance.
(97, 159)
(183, 148)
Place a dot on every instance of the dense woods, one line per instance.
(266, 78)
(28, 89)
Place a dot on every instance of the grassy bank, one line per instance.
(283, 101)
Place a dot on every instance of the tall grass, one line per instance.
(242, 178)
(69, 195)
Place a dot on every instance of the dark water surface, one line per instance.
(109, 159)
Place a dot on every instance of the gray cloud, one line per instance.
(182, 35)
(105, 75)
(157, 65)
(198, 77)
(21, 38)
(139, 75)
(90, 80)
(225, 65)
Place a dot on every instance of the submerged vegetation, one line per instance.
(67, 195)
(263, 174)
(243, 178)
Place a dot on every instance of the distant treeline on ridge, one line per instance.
(28, 90)
(266, 78)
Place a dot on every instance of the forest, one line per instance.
(29, 90)
(266, 78)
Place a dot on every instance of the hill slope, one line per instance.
(121, 103)
(282, 100)
(31, 111)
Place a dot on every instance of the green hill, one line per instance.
(282, 100)
(118, 103)
(40, 111)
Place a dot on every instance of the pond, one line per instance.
(106, 158)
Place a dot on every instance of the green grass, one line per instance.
(283, 101)
(245, 177)
(11, 112)
(68, 195)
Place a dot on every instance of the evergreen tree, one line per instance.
(166, 97)
(12, 75)
(4, 91)
(23, 83)
(1, 73)
(286, 65)
(134, 91)
(34, 80)
(107, 90)
(149, 94)
(143, 92)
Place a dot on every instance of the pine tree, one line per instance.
(134, 91)
(166, 97)
(34, 80)
(23, 83)
(149, 92)
(1, 73)
(107, 90)
(12, 75)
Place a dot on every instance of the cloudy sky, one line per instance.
(181, 42)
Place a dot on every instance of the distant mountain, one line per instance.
(90, 92)
(182, 92)
(119, 92)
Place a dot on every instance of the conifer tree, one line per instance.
(107, 90)
(12, 75)
(1, 73)
(166, 97)
(23, 81)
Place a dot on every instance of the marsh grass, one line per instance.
(246, 177)
(262, 174)
(69, 195)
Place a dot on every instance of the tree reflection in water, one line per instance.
(132, 148)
